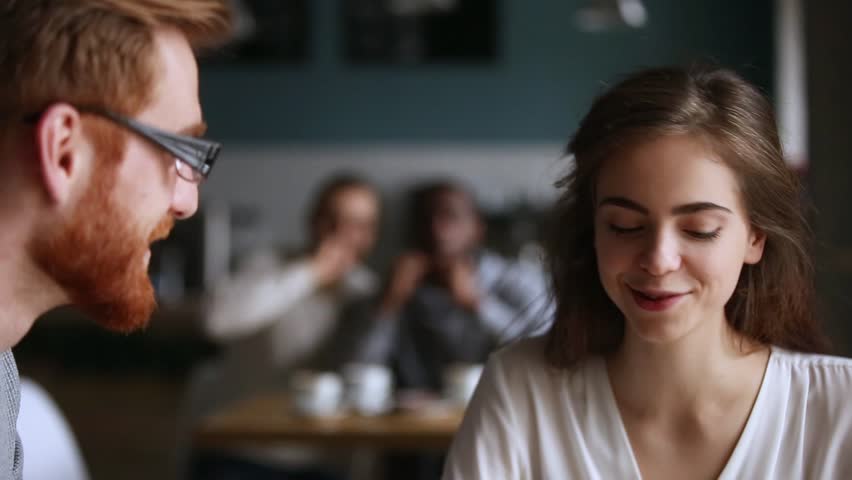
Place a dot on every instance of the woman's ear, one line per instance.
(754, 249)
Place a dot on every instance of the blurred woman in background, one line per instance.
(279, 313)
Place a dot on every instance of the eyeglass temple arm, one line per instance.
(197, 152)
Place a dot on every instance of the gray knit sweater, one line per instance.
(11, 453)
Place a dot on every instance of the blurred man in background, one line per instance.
(449, 299)
(99, 114)
(278, 313)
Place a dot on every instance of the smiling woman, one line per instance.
(716, 116)
(673, 243)
(685, 342)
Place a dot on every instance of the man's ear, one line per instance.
(60, 150)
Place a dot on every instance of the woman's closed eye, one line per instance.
(698, 234)
(704, 235)
(624, 230)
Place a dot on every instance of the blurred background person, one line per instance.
(278, 314)
(449, 299)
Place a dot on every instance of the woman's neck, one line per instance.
(711, 366)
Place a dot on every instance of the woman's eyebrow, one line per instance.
(685, 209)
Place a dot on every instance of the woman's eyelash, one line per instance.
(622, 230)
(699, 235)
(704, 235)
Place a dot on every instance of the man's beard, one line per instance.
(98, 258)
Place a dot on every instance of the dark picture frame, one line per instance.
(421, 31)
(267, 32)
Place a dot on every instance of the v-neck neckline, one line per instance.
(615, 417)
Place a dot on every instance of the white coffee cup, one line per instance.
(460, 381)
(316, 394)
(369, 388)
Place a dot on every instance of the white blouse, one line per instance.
(529, 420)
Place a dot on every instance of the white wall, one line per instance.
(280, 180)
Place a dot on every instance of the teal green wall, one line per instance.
(536, 92)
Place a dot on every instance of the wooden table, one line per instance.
(269, 420)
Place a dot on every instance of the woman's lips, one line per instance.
(656, 300)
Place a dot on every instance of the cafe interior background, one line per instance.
(484, 91)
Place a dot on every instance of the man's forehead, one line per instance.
(174, 104)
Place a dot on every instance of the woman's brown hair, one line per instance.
(774, 302)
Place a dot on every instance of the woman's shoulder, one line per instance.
(808, 404)
(809, 362)
(524, 365)
(820, 375)
(522, 354)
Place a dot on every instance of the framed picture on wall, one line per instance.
(420, 31)
(267, 32)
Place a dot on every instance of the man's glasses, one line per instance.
(194, 157)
